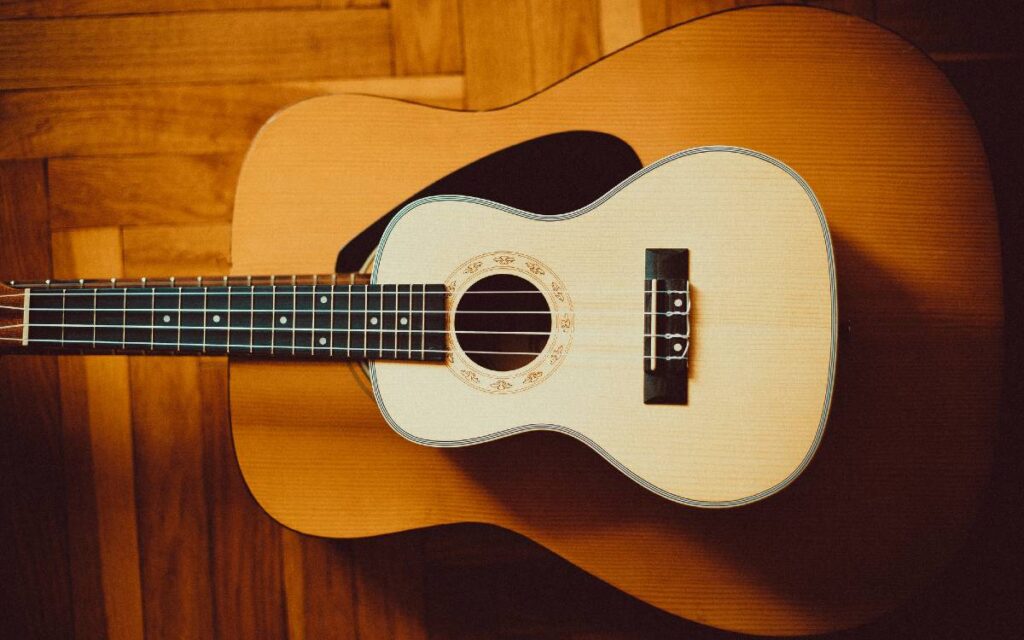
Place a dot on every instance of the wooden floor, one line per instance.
(122, 128)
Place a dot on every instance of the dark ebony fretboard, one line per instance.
(404, 321)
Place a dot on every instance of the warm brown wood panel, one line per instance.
(180, 250)
(426, 36)
(621, 23)
(497, 45)
(199, 47)
(69, 8)
(97, 417)
(565, 37)
(956, 26)
(681, 10)
(138, 190)
(36, 596)
(177, 119)
(173, 508)
(245, 543)
(328, 603)
(389, 588)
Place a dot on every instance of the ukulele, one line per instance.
(523, 322)
(695, 324)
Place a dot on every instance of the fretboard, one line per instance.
(371, 321)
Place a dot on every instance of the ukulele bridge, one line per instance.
(666, 326)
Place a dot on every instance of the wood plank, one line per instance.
(498, 55)
(654, 15)
(182, 250)
(177, 119)
(329, 587)
(245, 543)
(565, 36)
(389, 581)
(97, 414)
(66, 8)
(944, 26)
(294, 583)
(683, 10)
(237, 46)
(36, 596)
(426, 36)
(134, 190)
(173, 512)
(622, 22)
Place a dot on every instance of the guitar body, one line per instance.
(892, 157)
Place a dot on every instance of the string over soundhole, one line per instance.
(502, 322)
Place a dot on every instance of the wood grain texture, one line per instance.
(34, 566)
(97, 422)
(621, 24)
(426, 36)
(201, 47)
(499, 62)
(72, 8)
(150, 189)
(895, 299)
(185, 251)
(248, 591)
(173, 506)
(176, 119)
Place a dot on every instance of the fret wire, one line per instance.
(63, 311)
(205, 320)
(152, 314)
(227, 323)
(348, 326)
(124, 316)
(252, 315)
(312, 324)
(423, 324)
(95, 293)
(395, 325)
(179, 320)
(334, 284)
(273, 314)
(295, 305)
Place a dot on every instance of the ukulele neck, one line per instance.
(266, 317)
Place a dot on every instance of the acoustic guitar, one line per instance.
(701, 258)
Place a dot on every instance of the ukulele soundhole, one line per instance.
(503, 322)
(510, 322)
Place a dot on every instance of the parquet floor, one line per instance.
(122, 128)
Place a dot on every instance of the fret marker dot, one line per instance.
(323, 341)
(677, 347)
(679, 302)
(373, 320)
(323, 299)
(216, 318)
(284, 320)
(404, 321)
(167, 318)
